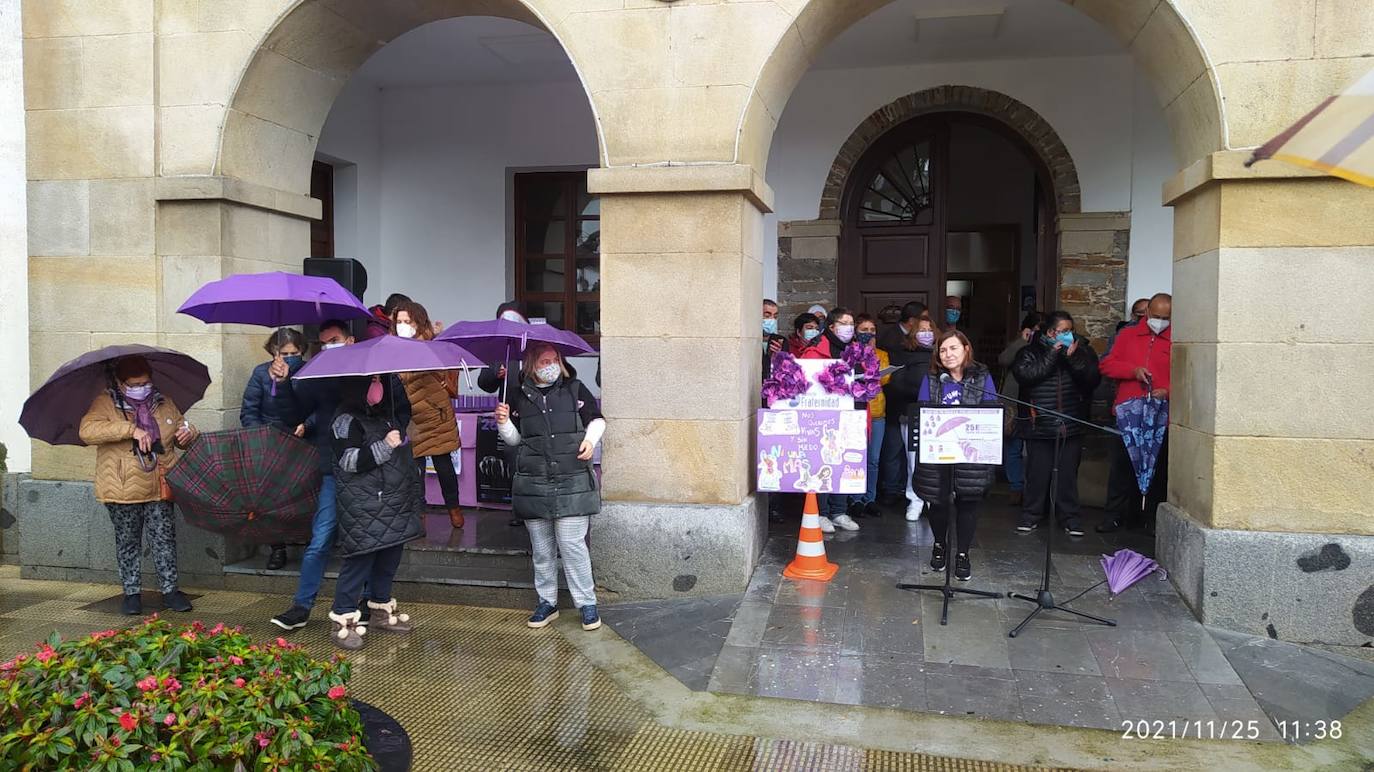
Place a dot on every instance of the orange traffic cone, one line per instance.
(810, 562)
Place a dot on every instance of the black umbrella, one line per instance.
(53, 413)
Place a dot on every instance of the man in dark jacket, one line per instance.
(772, 341)
(318, 398)
(1057, 371)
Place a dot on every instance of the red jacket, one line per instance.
(1138, 346)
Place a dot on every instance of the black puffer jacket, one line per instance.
(550, 481)
(1053, 379)
(380, 502)
(971, 481)
(261, 407)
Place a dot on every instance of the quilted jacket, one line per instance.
(380, 503)
(119, 479)
(433, 427)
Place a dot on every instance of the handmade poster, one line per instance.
(815, 397)
(960, 435)
(493, 464)
(813, 451)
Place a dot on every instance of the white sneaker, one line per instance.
(914, 510)
(846, 522)
(826, 525)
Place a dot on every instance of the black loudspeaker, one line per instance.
(350, 274)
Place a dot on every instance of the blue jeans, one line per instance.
(875, 454)
(1014, 463)
(321, 544)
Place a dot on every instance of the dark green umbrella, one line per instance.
(257, 484)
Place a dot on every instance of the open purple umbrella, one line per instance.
(1126, 567)
(273, 299)
(495, 339)
(53, 413)
(387, 354)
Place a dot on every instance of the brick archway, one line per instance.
(1026, 122)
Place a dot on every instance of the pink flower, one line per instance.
(148, 684)
(156, 757)
(129, 721)
(239, 682)
(171, 684)
(46, 653)
(263, 740)
(103, 634)
(282, 642)
(198, 626)
(189, 635)
(171, 718)
(336, 693)
(235, 660)
(217, 629)
(82, 700)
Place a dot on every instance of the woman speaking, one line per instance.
(957, 379)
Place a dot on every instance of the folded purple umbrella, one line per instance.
(273, 299)
(1126, 567)
(53, 413)
(388, 354)
(494, 340)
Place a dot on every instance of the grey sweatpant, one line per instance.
(566, 536)
(130, 522)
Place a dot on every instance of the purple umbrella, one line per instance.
(273, 299)
(1126, 567)
(53, 413)
(494, 339)
(387, 354)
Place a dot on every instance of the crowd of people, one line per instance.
(373, 438)
(1051, 376)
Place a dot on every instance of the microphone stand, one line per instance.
(1044, 598)
(951, 551)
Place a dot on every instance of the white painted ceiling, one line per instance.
(485, 49)
(917, 31)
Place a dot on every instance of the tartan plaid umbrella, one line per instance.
(258, 484)
(1336, 138)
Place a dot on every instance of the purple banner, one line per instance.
(815, 451)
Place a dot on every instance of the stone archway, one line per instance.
(1091, 248)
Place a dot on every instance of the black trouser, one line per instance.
(1039, 464)
(892, 471)
(1124, 502)
(965, 521)
(448, 478)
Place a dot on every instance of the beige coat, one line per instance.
(118, 477)
(433, 426)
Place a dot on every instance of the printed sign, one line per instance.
(815, 397)
(960, 435)
(813, 451)
(494, 464)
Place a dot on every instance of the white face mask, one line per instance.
(1158, 325)
(513, 316)
(139, 393)
(845, 332)
(328, 346)
(548, 373)
(404, 330)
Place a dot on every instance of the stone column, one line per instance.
(1269, 527)
(681, 284)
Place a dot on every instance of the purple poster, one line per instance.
(813, 451)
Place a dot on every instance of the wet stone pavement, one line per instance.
(859, 640)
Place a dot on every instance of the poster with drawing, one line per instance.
(812, 451)
(494, 471)
(960, 435)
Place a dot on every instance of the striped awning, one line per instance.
(1336, 138)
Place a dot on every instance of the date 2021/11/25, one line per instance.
(1291, 731)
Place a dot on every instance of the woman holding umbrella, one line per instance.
(554, 425)
(137, 434)
(433, 427)
(286, 347)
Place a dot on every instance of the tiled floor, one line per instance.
(859, 640)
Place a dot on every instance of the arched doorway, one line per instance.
(950, 203)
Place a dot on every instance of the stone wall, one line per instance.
(1093, 250)
(808, 267)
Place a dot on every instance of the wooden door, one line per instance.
(322, 230)
(892, 247)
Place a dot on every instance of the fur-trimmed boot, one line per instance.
(384, 617)
(348, 634)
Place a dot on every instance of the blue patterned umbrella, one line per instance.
(1143, 422)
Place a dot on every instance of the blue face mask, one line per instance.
(811, 334)
(770, 326)
(293, 361)
(952, 315)
(1063, 338)
(865, 337)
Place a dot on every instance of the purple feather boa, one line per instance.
(861, 358)
(787, 380)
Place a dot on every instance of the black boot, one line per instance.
(133, 605)
(277, 559)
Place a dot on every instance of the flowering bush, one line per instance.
(156, 697)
